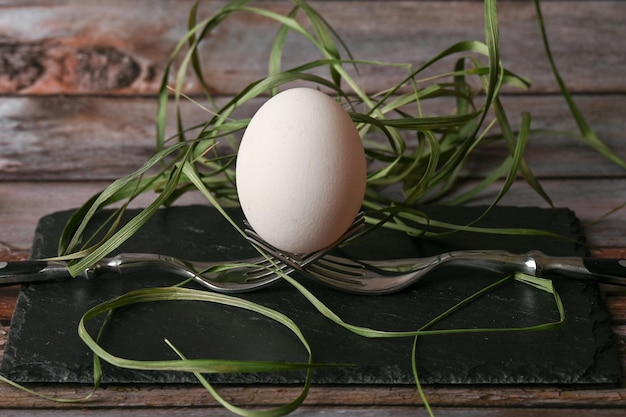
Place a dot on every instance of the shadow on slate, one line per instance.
(44, 346)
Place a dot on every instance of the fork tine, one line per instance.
(343, 264)
(304, 259)
(276, 255)
(308, 263)
(264, 270)
(357, 224)
(334, 268)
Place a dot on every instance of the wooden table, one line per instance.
(78, 80)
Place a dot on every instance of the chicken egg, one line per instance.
(301, 171)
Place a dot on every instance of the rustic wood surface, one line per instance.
(77, 109)
(111, 47)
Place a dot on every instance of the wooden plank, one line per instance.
(118, 47)
(102, 138)
(162, 396)
(554, 156)
(329, 411)
(22, 205)
(590, 199)
(80, 138)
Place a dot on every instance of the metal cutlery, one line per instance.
(388, 276)
(221, 276)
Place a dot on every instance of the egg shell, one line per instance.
(301, 171)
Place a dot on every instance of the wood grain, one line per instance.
(162, 397)
(397, 411)
(22, 207)
(102, 138)
(24, 203)
(119, 47)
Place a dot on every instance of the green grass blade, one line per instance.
(586, 131)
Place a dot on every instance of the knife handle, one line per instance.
(16, 272)
(605, 266)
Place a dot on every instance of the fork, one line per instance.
(389, 276)
(222, 276)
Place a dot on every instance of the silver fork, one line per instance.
(389, 276)
(222, 276)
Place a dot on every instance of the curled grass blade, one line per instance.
(278, 411)
(424, 330)
(587, 133)
(126, 187)
(200, 366)
(127, 230)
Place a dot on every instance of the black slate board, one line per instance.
(43, 344)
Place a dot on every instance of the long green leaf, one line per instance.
(588, 135)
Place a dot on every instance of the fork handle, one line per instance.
(137, 262)
(611, 269)
(606, 266)
(534, 263)
(19, 272)
(538, 264)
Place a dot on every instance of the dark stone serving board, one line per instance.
(44, 346)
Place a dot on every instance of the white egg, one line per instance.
(301, 171)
